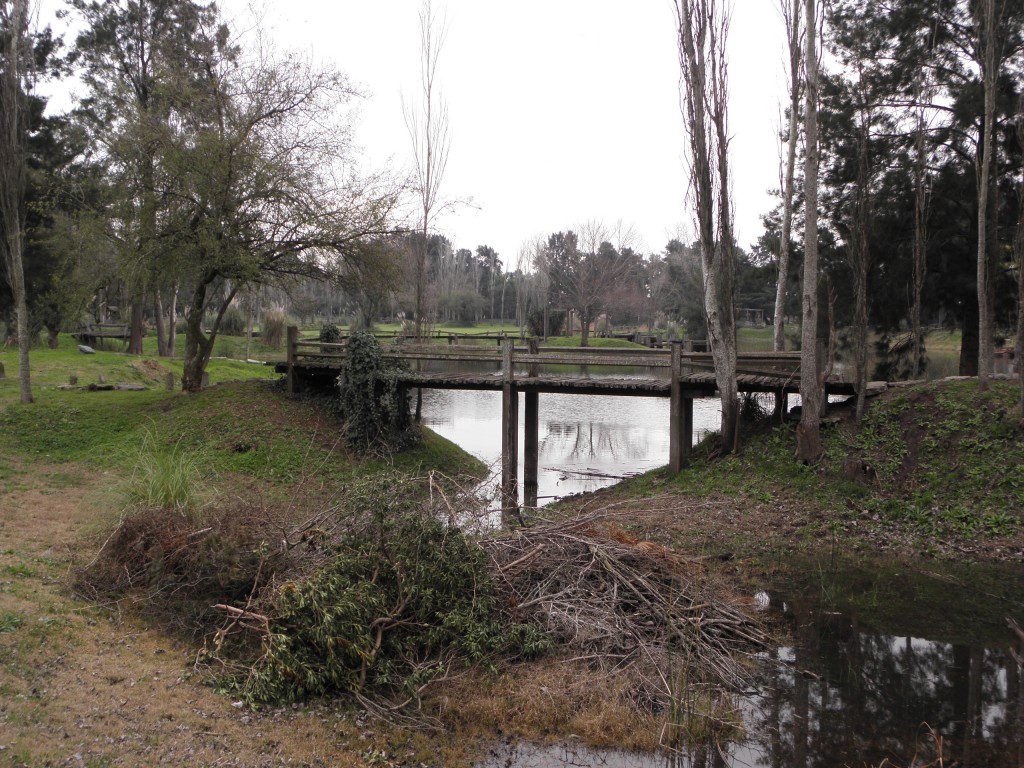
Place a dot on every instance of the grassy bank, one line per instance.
(935, 470)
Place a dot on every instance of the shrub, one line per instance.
(331, 334)
(375, 408)
(556, 322)
(233, 322)
(399, 602)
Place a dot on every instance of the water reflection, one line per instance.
(842, 696)
(857, 687)
(586, 442)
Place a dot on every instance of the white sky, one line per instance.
(560, 111)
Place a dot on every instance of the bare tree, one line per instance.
(790, 11)
(702, 30)
(809, 448)
(427, 123)
(532, 290)
(1018, 248)
(13, 139)
(986, 21)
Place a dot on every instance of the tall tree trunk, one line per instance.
(969, 337)
(986, 22)
(158, 311)
(860, 245)
(920, 231)
(723, 350)
(702, 29)
(136, 328)
(172, 320)
(198, 344)
(791, 15)
(13, 148)
(809, 447)
(1018, 252)
(1018, 349)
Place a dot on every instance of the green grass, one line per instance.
(162, 479)
(10, 621)
(950, 475)
(247, 428)
(593, 341)
(52, 367)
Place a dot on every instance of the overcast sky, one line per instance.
(561, 111)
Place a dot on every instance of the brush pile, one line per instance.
(391, 590)
(622, 603)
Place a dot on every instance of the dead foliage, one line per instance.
(150, 369)
(620, 603)
(179, 565)
(649, 623)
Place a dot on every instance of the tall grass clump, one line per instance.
(273, 327)
(164, 481)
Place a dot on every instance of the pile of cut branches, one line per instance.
(623, 603)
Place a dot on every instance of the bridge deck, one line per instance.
(696, 384)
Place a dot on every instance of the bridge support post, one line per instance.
(531, 436)
(293, 338)
(680, 429)
(509, 433)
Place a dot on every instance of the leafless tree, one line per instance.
(1018, 248)
(790, 11)
(809, 448)
(427, 123)
(17, 58)
(702, 30)
(584, 265)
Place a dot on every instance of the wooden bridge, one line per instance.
(528, 368)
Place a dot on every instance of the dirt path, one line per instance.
(81, 685)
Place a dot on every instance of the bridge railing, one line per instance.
(311, 352)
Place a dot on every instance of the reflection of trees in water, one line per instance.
(846, 697)
(584, 441)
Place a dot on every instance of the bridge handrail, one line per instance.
(767, 364)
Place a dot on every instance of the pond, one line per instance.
(882, 664)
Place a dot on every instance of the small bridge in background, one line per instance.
(535, 370)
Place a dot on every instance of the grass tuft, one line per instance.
(170, 481)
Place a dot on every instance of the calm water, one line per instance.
(586, 442)
(883, 664)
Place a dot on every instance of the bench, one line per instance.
(94, 332)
